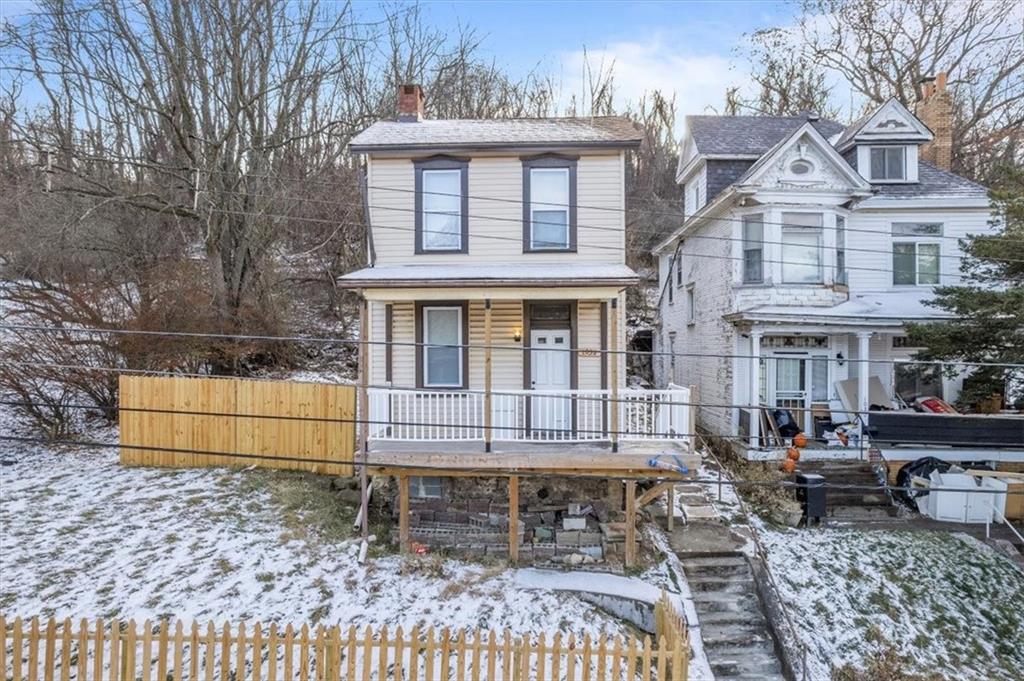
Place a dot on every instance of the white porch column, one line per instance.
(863, 373)
(755, 386)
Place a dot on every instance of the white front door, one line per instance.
(550, 362)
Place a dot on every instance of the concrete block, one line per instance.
(590, 538)
(575, 509)
(577, 523)
(543, 533)
(567, 537)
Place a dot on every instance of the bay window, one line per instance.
(442, 220)
(801, 248)
(442, 355)
(915, 253)
(549, 204)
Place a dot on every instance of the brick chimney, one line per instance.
(410, 103)
(935, 109)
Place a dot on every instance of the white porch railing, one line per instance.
(528, 415)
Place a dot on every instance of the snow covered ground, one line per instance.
(950, 604)
(946, 603)
(82, 536)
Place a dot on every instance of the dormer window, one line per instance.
(442, 205)
(888, 164)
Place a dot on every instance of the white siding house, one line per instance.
(797, 270)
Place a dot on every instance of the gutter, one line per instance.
(473, 283)
(493, 146)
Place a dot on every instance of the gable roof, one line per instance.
(598, 131)
(918, 132)
(749, 135)
(808, 129)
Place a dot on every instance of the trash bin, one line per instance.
(810, 492)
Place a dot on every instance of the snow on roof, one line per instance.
(890, 307)
(604, 131)
(470, 274)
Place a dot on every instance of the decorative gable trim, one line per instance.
(890, 123)
(800, 140)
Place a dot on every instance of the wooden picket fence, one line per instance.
(121, 651)
(187, 422)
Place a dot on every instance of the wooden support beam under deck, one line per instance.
(403, 513)
(652, 494)
(630, 553)
(513, 519)
(670, 505)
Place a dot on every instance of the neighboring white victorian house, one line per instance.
(806, 246)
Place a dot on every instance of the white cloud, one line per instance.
(698, 80)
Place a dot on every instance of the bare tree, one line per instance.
(883, 48)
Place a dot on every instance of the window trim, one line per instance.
(420, 320)
(549, 161)
(917, 264)
(442, 163)
(679, 270)
(691, 304)
(880, 180)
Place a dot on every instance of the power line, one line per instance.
(493, 346)
(477, 469)
(623, 434)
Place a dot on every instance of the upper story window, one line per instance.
(801, 248)
(442, 356)
(916, 253)
(888, 163)
(691, 305)
(549, 204)
(679, 269)
(841, 276)
(442, 205)
(753, 249)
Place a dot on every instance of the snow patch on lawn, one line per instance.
(951, 604)
(83, 536)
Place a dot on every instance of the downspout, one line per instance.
(371, 251)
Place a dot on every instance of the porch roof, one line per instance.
(881, 309)
(493, 275)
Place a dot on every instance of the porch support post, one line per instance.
(487, 376)
(670, 505)
(613, 357)
(513, 519)
(403, 513)
(755, 387)
(863, 374)
(630, 552)
(364, 415)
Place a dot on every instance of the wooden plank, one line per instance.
(17, 636)
(652, 494)
(49, 649)
(513, 519)
(403, 513)
(630, 552)
(670, 505)
(147, 652)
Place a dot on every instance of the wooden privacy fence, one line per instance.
(122, 651)
(171, 421)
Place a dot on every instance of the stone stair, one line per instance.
(736, 634)
(850, 473)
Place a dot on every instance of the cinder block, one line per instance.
(567, 537)
(577, 523)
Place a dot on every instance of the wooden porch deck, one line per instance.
(468, 458)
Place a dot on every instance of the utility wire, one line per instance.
(493, 346)
(785, 484)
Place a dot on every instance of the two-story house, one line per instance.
(494, 302)
(805, 247)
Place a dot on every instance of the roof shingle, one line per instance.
(749, 135)
(603, 131)
(932, 183)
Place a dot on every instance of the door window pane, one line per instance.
(549, 207)
(819, 379)
(789, 375)
(442, 365)
(442, 209)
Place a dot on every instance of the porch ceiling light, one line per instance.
(840, 360)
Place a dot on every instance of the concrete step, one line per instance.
(714, 560)
(754, 658)
(720, 571)
(734, 633)
(727, 584)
